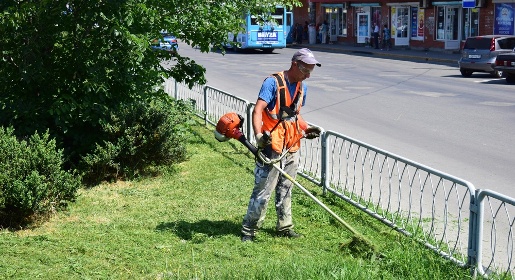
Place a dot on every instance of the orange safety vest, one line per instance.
(287, 133)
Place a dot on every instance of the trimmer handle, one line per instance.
(247, 144)
(267, 150)
(267, 137)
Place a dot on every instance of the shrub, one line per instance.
(139, 136)
(32, 179)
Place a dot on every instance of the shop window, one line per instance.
(470, 23)
(336, 17)
(440, 23)
(447, 23)
(376, 16)
(402, 24)
(452, 23)
(343, 21)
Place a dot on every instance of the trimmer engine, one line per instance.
(229, 127)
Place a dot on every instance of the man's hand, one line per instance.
(312, 132)
(263, 140)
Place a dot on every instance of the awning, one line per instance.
(365, 5)
(331, 5)
(403, 4)
(326, 1)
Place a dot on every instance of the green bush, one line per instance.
(32, 179)
(139, 136)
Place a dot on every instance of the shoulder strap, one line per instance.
(282, 89)
(293, 105)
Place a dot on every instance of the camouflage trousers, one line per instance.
(267, 179)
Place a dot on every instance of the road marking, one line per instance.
(358, 87)
(497, 104)
(329, 88)
(431, 94)
(394, 75)
(486, 80)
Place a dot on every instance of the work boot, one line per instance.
(245, 238)
(289, 233)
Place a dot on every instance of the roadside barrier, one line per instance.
(472, 227)
(495, 233)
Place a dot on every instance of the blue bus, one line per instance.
(265, 32)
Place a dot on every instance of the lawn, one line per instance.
(186, 224)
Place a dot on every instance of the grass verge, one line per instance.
(186, 225)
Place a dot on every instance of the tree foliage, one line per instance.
(66, 64)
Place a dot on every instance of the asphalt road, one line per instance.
(421, 111)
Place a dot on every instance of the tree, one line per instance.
(68, 64)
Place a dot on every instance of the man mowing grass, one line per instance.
(278, 127)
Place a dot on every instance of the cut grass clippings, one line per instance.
(186, 225)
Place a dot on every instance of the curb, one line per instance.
(372, 53)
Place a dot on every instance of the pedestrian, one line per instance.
(300, 33)
(323, 32)
(306, 29)
(317, 28)
(293, 34)
(281, 92)
(386, 38)
(375, 34)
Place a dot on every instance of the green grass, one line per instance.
(186, 225)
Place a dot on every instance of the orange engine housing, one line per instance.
(229, 125)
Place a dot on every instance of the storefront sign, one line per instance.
(420, 31)
(504, 19)
(417, 24)
(414, 22)
(468, 3)
(394, 22)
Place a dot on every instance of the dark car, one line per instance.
(506, 63)
(168, 43)
(478, 53)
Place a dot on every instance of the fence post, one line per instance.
(176, 87)
(205, 104)
(324, 158)
(475, 227)
(250, 134)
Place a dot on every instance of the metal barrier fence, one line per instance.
(495, 233)
(416, 200)
(471, 227)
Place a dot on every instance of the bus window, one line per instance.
(253, 20)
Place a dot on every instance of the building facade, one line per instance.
(425, 24)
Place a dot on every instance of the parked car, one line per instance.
(168, 43)
(505, 62)
(478, 53)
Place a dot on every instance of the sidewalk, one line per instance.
(431, 56)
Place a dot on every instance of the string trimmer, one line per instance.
(229, 127)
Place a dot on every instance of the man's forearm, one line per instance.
(257, 122)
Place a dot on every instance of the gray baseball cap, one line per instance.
(306, 56)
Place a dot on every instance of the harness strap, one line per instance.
(282, 89)
(282, 94)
